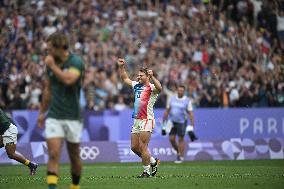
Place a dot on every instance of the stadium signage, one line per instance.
(89, 152)
(211, 124)
(232, 149)
(260, 125)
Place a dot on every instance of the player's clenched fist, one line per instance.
(121, 62)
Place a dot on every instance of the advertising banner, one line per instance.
(210, 124)
(92, 152)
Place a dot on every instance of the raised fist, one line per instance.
(121, 62)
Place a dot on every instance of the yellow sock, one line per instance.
(27, 162)
(52, 179)
(72, 186)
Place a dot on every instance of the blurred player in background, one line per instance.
(178, 107)
(146, 95)
(61, 94)
(8, 139)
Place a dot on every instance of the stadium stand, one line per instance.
(227, 53)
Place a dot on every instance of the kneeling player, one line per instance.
(8, 138)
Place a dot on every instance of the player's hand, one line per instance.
(150, 73)
(121, 62)
(49, 61)
(192, 136)
(164, 132)
(40, 120)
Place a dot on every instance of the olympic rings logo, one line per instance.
(87, 152)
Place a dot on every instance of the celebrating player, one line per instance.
(8, 138)
(177, 109)
(61, 98)
(146, 94)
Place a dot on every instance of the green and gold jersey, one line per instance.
(64, 99)
(5, 122)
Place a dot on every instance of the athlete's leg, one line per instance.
(54, 138)
(144, 141)
(76, 165)
(135, 132)
(181, 145)
(54, 151)
(73, 132)
(135, 145)
(173, 142)
(11, 152)
(9, 140)
(172, 137)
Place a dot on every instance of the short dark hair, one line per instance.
(59, 40)
(144, 70)
(181, 86)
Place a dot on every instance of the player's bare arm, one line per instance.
(166, 114)
(155, 81)
(1, 142)
(44, 102)
(122, 72)
(191, 117)
(67, 77)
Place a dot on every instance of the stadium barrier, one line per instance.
(223, 134)
(92, 152)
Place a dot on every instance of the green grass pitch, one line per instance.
(244, 174)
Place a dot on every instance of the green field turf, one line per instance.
(196, 174)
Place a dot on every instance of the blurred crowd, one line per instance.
(228, 53)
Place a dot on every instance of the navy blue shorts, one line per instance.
(178, 129)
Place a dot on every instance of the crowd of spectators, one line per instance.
(228, 53)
